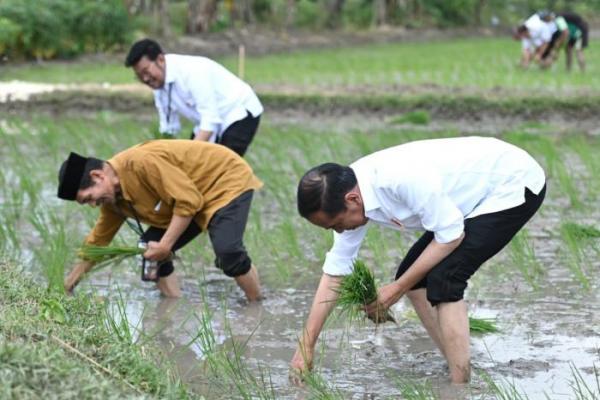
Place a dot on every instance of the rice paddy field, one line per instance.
(541, 292)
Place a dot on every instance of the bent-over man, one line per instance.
(470, 195)
(178, 187)
(223, 108)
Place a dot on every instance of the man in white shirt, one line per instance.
(223, 108)
(471, 195)
(536, 36)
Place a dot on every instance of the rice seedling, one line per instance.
(522, 255)
(411, 389)
(320, 389)
(504, 391)
(418, 117)
(117, 321)
(581, 232)
(357, 290)
(575, 257)
(581, 389)
(482, 325)
(108, 254)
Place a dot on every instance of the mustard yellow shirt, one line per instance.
(162, 178)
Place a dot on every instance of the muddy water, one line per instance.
(544, 333)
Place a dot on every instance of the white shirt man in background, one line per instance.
(223, 108)
(471, 195)
(535, 36)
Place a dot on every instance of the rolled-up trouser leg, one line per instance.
(226, 231)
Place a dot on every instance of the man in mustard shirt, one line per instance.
(178, 187)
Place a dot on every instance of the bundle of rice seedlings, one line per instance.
(482, 325)
(359, 289)
(107, 254)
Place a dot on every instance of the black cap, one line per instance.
(70, 178)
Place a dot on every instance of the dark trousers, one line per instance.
(238, 135)
(485, 235)
(226, 231)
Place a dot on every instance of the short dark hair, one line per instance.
(323, 188)
(86, 180)
(141, 48)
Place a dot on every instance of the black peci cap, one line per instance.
(70, 176)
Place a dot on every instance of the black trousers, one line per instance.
(485, 235)
(226, 230)
(239, 135)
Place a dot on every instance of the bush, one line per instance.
(61, 28)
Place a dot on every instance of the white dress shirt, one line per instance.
(204, 92)
(540, 32)
(435, 185)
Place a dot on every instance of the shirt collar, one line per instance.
(365, 184)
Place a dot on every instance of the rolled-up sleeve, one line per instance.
(107, 226)
(340, 258)
(172, 185)
(422, 193)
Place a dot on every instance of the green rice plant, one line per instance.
(581, 232)
(357, 290)
(586, 151)
(522, 255)
(108, 254)
(53, 253)
(320, 389)
(581, 389)
(482, 325)
(411, 389)
(117, 322)
(418, 117)
(575, 257)
(504, 391)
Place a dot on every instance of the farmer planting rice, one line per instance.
(178, 187)
(223, 108)
(471, 195)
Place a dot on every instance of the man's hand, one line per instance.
(157, 251)
(387, 296)
(75, 275)
(301, 363)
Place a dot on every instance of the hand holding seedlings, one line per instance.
(157, 251)
(387, 296)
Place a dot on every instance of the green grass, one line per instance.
(55, 347)
(474, 63)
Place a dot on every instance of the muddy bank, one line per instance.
(576, 112)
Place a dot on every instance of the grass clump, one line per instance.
(359, 289)
(418, 117)
(57, 347)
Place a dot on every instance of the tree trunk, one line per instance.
(161, 17)
(247, 12)
(290, 16)
(379, 12)
(201, 15)
(334, 15)
(479, 6)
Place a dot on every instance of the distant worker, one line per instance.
(180, 188)
(536, 36)
(223, 108)
(578, 39)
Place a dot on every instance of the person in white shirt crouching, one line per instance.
(470, 195)
(223, 108)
